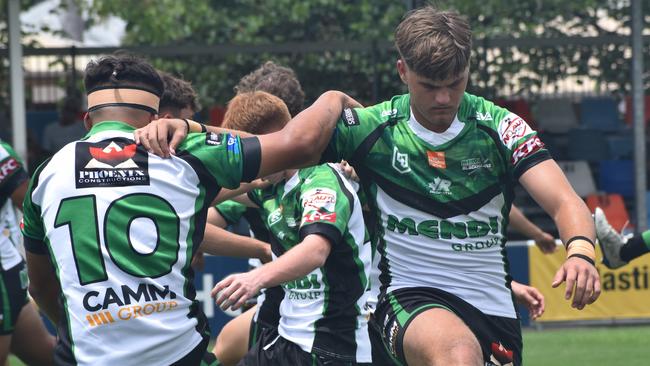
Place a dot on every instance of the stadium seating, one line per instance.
(579, 175)
(616, 176)
(555, 115)
(621, 146)
(629, 113)
(521, 108)
(587, 144)
(613, 206)
(600, 114)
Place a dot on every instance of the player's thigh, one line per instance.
(5, 343)
(31, 341)
(438, 337)
(232, 341)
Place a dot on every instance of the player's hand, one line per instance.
(233, 291)
(545, 242)
(530, 297)
(348, 171)
(162, 136)
(582, 281)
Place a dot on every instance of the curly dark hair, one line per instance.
(277, 80)
(122, 69)
(178, 94)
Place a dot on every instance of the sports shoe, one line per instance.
(609, 240)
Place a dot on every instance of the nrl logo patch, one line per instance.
(350, 117)
(400, 161)
(113, 163)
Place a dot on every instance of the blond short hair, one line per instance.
(256, 112)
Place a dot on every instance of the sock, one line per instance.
(636, 247)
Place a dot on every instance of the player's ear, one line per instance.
(88, 123)
(402, 70)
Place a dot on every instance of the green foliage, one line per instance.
(371, 75)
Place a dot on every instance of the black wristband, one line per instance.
(203, 128)
(579, 237)
(582, 256)
(187, 126)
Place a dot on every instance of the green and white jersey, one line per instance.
(12, 175)
(121, 226)
(323, 312)
(441, 199)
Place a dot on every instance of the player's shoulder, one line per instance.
(486, 113)
(395, 108)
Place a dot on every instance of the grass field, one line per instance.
(599, 346)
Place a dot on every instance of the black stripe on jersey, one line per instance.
(330, 232)
(35, 246)
(530, 162)
(252, 158)
(63, 354)
(334, 333)
(344, 189)
(442, 210)
(256, 224)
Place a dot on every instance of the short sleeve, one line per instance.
(351, 130)
(231, 211)
(326, 205)
(224, 158)
(12, 171)
(524, 146)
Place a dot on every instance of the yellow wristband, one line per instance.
(582, 247)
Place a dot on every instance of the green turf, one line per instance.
(602, 346)
(588, 346)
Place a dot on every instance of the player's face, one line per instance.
(434, 102)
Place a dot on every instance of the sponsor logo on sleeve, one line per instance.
(512, 128)
(7, 168)
(114, 163)
(437, 159)
(319, 198)
(213, 139)
(400, 161)
(315, 216)
(526, 149)
(233, 146)
(350, 117)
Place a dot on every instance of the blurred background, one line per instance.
(566, 67)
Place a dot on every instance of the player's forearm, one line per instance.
(573, 219)
(312, 129)
(522, 225)
(218, 241)
(296, 263)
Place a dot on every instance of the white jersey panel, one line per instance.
(470, 268)
(10, 239)
(109, 319)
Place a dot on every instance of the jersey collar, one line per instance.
(433, 138)
(291, 183)
(110, 126)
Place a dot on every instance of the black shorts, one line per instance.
(499, 337)
(268, 314)
(13, 296)
(273, 350)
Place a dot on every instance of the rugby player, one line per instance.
(110, 230)
(21, 330)
(438, 166)
(318, 236)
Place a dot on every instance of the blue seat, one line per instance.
(587, 144)
(617, 176)
(621, 146)
(600, 114)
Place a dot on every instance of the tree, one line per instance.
(251, 22)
